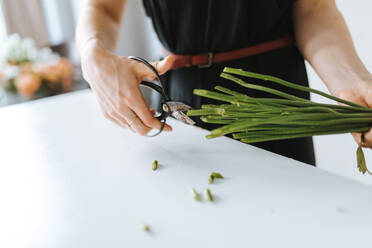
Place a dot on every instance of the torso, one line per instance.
(195, 26)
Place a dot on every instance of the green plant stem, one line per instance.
(287, 84)
(211, 119)
(261, 88)
(246, 101)
(294, 120)
(207, 111)
(155, 165)
(228, 91)
(195, 194)
(209, 106)
(297, 130)
(301, 135)
(286, 116)
(208, 195)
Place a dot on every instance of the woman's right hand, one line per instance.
(115, 82)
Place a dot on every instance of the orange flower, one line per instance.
(49, 72)
(65, 68)
(66, 84)
(54, 73)
(27, 84)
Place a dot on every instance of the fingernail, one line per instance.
(170, 57)
(161, 63)
(168, 129)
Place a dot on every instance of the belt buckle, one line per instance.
(210, 61)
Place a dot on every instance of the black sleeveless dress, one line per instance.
(199, 26)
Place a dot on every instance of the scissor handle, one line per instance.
(160, 89)
(154, 87)
(164, 112)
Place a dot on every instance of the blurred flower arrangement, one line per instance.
(28, 71)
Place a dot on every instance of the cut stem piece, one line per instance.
(195, 195)
(208, 195)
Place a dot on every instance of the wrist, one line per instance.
(353, 89)
(346, 78)
(91, 50)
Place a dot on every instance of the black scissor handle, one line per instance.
(154, 87)
(161, 87)
(164, 112)
(158, 88)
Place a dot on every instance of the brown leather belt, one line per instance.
(206, 60)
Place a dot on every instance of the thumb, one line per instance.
(161, 67)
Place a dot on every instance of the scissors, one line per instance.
(169, 107)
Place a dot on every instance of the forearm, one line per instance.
(324, 40)
(99, 22)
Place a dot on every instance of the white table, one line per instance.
(70, 178)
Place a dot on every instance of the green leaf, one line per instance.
(361, 160)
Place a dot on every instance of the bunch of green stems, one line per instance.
(252, 119)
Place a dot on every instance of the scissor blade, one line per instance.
(178, 106)
(183, 117)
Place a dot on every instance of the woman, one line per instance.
(207, 29)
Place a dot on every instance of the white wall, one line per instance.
(60, 21)
(2, 22)
(336, 153)
(137, 36)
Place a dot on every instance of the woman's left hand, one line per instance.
(361, 93)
